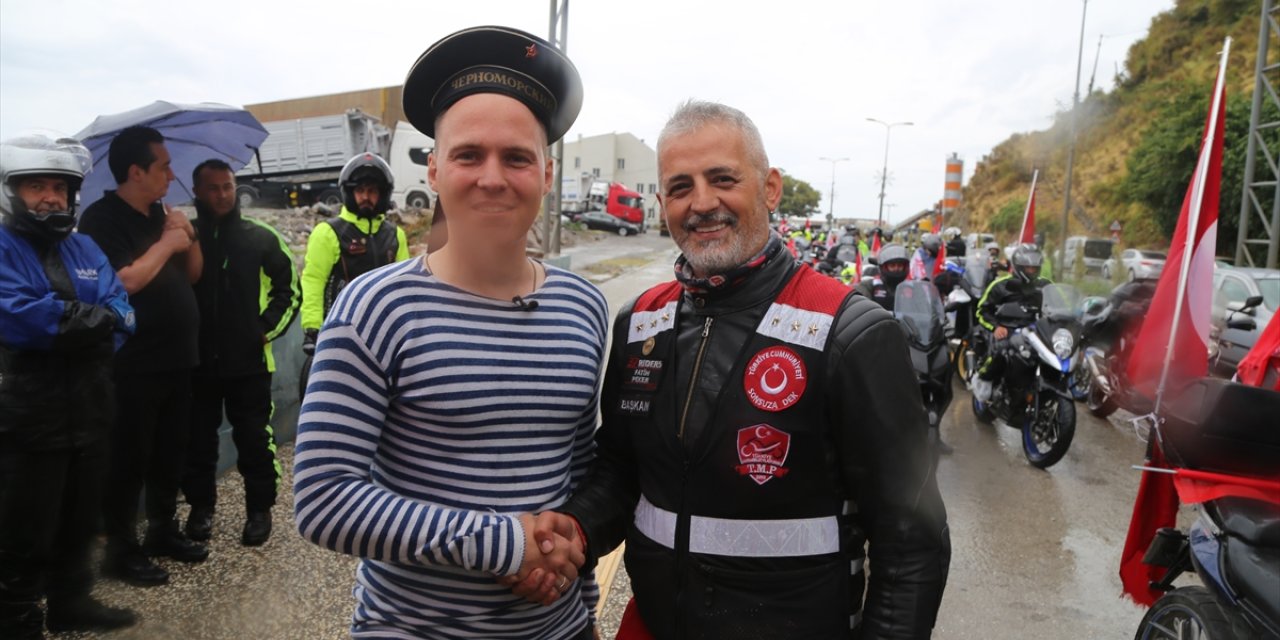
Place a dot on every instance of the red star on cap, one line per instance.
(531, 51)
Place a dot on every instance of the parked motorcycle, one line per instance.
(1034, 394)
(966, 335)
(918, 307)
(1226, 432)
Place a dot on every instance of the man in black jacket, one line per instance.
(760, 426)
(247, 295)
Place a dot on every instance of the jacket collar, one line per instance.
(209, 218)
(760, 286)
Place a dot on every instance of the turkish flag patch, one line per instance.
(762, 450)
(775, 379)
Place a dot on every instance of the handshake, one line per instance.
(554, 550)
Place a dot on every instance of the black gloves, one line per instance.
(309, 341)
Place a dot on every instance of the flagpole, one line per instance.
(1193, 224)
(1030, 200)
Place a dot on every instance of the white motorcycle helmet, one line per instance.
(40, 155)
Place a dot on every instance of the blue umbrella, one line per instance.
(193, 133)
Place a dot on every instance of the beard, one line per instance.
(717, 256)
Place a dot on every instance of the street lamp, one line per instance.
(831, 207)
(884, 172)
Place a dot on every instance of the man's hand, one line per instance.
(553, 554)
(176, 239)
(177, 219)
(1001, 332)
(309, 341)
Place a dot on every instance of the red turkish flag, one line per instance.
(1029, 221)
(1175, 334)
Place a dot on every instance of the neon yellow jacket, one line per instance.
(323, 252)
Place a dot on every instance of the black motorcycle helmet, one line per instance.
(38, 155)
(893, 262)
(931, 243)
(1026, 262)
(366, 168)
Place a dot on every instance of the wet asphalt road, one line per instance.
(1035, 552)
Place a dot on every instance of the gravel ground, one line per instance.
(286, 589)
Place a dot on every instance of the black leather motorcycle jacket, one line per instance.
(681, 445)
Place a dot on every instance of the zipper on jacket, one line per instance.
(693, 377)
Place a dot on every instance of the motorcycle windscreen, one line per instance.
(975, 272)
(846, 253)
(918, 306)
(1061, 302)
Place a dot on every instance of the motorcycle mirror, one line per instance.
(1252, 301)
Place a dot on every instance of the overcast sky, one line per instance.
(809, 72)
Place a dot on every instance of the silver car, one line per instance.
(1135, 264)
(1231, 288)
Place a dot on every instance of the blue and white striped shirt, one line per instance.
(433, 418)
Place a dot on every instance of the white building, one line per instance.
(617, 157)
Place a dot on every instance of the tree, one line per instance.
(1161, 165)
(799, 198)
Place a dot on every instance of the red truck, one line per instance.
(613, 198)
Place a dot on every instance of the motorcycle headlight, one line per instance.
(1063, 343)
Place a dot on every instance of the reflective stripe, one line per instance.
(742, 538)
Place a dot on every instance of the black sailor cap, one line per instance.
(494, 60)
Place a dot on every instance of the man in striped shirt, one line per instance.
(455, 394)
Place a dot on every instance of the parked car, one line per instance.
(1231, 288)
(1094, 252)
(601, 221)
(1135, 263)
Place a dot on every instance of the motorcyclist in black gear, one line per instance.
(1023, 285)
(892, 261)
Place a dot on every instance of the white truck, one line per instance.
(408, 160)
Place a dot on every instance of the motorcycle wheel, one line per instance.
(1099, 402)
(1081, 382)
(981, 410)
(1188, 612)
(1048, 435)
(958, 362)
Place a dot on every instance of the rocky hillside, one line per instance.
(1137, 145)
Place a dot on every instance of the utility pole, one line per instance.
(1071, 149)
(831, 206)
(884, 172)
(551, 204)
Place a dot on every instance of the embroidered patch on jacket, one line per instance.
(796, 326)
(775, 378)
(762, 450)
(645, 324)
(641, 374)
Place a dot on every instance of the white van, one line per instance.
(408, 159)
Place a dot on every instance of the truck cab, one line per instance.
(408, 160)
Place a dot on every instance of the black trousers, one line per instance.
(148, 448)
(49, 505)
(247, 401)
